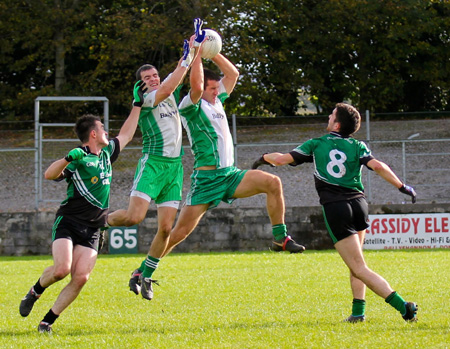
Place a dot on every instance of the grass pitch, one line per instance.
(233, 300)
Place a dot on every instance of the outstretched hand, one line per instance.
(75, 154)
(138, 93)
(260, 162)
(406, 189)
(188, 55)
(199, 33)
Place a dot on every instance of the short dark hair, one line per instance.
(209, 74)
(348, 117)
(84, 125)
(143, 68)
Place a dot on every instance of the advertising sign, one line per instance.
(401, 231)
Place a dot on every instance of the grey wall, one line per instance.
(221, 229)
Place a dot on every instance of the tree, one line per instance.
(38, 36)
(389, 55)
(380, 55)
(83, 48)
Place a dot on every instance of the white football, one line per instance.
(212, 45)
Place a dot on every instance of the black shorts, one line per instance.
(344, 218)
(80, 234)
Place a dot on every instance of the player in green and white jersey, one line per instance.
(215, 178)
(338, 159)
(76, 232)
(159, 173)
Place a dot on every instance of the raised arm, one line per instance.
(190, 52)
(196, 79)
(128, 129)
(229, 71)
(170, 84)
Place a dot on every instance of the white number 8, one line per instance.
(337, 162)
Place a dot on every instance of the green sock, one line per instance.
(279, 231)
(395, 300)
(358, 307)
(150, 265)
(141, 268)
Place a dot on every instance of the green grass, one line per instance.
(233, 300)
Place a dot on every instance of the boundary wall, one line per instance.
(221, 229)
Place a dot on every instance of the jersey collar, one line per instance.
(337, 134)
(86, 149)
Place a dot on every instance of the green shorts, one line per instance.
(161, 178)
(213, 186)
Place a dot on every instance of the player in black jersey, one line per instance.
(338, 159)
(77, 227)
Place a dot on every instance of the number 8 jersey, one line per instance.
(338, 161)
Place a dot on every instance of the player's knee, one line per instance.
(134, 218)
(132, 221)
(275, 185)
(60, 273)
(164, 230)
(80, 279)
(360, 271)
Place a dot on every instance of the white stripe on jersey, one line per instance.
(79, 184)
(142, 161)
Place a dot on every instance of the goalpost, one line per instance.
(38, 136)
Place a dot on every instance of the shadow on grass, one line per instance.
(334, 325)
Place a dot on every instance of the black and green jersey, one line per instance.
(89, 181)
(337, 165)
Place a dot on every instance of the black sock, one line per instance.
(38, 288)
(50, 317)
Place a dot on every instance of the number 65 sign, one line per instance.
(123, 240)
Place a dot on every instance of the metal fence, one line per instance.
(420, 160)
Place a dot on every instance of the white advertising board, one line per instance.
(402, 231)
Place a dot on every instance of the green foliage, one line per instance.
(102, 44)
(380, 55)
(387, 55)
(233, 300)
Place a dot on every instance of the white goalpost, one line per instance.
(38, 135)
